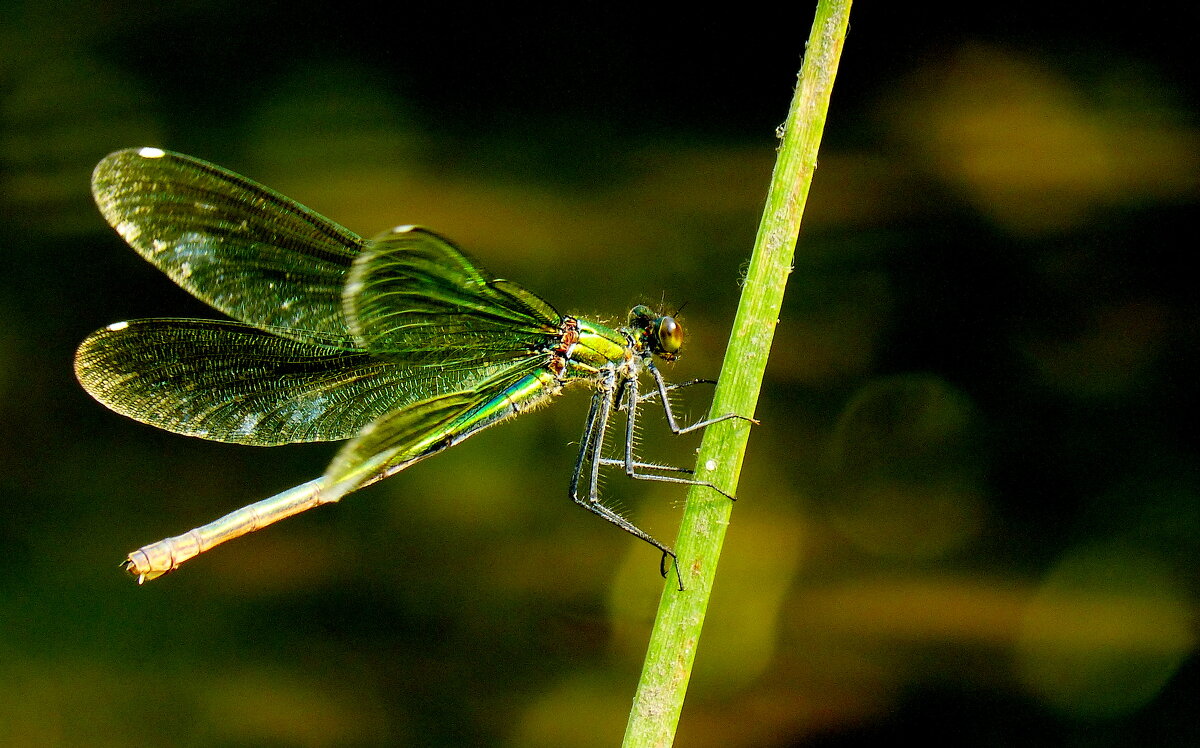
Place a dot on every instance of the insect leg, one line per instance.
(675, 386)
(589, 454)
(663, 388)
(632, 465)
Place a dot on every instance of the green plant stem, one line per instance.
(676, 633)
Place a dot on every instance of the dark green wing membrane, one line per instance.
(425, 428)
(243, 248)
(399, 437)
(412, 295)
(338, 333)
(236, 383)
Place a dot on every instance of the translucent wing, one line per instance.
(411, 295)
(241, 247)
(236, 383)
(403, 436)
(338, 333)
(423, 429)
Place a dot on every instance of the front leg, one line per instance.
(630, 462)
(661, 392)
(595, 429)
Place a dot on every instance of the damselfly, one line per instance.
(401, 343)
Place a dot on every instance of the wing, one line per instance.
(413, 296)
(236, 383)
(425, 428)
(338, 332)
(243, 248)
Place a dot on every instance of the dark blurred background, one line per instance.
(971, 512)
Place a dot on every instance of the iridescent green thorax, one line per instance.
(585, 347)
(596, 345)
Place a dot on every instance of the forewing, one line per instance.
(243, 248)
(424, 428)
(236, 383)
(413, 296)
(399, 437)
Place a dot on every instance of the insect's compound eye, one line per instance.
(669, 334)
(640, 316)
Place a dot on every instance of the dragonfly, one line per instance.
(401, 344)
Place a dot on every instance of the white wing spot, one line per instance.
(128, 231)
(248, 424)
(151, 152)
(114, 327)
